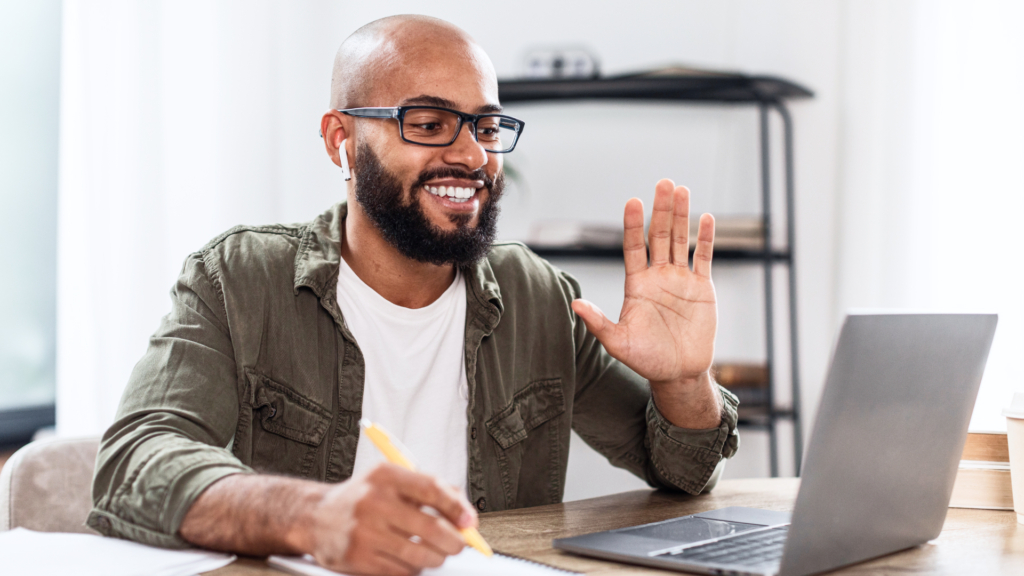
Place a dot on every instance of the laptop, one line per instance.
(879, 468)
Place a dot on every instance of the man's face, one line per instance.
(397, 212)
(401, 185)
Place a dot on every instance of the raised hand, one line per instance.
(666, 330)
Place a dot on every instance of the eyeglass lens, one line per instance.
(429, 126)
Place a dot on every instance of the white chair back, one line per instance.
(47, 486)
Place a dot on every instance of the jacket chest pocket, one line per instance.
(528, 445)
(290, 431)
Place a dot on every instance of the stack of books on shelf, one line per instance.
(983, 479)
(574, 234)
(748, 381)
(731, 233)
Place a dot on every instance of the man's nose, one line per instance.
(466, 150)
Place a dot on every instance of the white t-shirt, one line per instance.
(415, 384)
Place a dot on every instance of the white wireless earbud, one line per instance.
(343, 156)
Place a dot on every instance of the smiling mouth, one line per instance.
(452, 193)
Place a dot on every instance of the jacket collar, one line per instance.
(318, 257)
(318, 260)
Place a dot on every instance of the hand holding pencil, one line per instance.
(388, 520)
(383, 443)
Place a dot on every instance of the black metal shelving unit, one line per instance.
(768, 93)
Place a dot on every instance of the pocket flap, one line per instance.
(530, 407)
(284, 412)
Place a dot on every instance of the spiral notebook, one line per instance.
(468, 563)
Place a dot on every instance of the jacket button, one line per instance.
(273, 411)
(104, 524)
(472, 433)
(481, 504)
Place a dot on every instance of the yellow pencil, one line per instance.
(383, 443)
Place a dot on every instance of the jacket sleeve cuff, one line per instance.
(686, 459)
(159, 525)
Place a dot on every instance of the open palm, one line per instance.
(666, 330)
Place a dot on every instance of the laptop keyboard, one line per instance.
(763, 547)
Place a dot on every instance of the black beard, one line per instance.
(407, 228)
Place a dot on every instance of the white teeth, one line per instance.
(456, 194)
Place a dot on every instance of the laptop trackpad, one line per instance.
(690, 529)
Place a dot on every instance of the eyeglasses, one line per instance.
(435, 126)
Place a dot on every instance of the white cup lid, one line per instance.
(1016, 409)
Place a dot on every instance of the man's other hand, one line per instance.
(376, 523)
(380, 523)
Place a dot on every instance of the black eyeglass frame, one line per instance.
(398, 113)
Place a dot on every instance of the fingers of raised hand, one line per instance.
(681, 226)
(659, 236)
(705, 246)
(634, 250)
(598, 324)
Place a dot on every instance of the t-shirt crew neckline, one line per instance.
(382, 305)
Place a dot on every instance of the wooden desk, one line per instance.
(972, 541)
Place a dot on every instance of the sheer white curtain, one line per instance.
(179, 120)
(932, 191)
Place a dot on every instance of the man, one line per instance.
(238, 430)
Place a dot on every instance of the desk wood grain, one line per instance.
(972, 541)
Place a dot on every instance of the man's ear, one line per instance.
(334, 130)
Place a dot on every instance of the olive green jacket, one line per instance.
(254, 370)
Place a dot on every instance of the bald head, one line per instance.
(374, 63)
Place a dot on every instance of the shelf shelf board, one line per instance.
(708, 87)
(681, 85)
(759, 417)
(604, 253)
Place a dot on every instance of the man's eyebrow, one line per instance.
(425, 100)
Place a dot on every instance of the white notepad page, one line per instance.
(28, 553)
(468, 563)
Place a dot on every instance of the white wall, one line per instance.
(185, 118)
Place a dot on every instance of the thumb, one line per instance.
(598, 324)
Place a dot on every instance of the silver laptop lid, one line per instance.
(887, 438)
